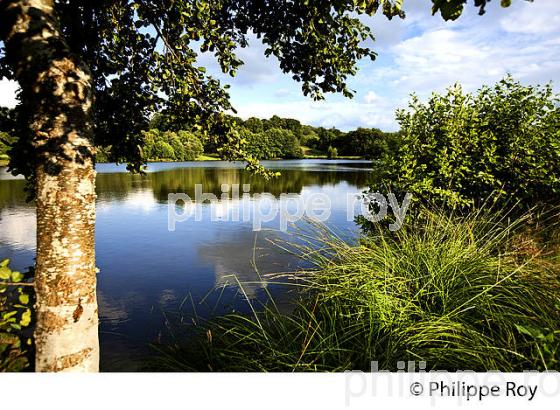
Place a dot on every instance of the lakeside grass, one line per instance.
(4, 162)
(207, 158)
(460, 293)
(309, 154)
(203, 157)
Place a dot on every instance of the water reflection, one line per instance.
(246, 258)
(145, 269)
(118, 186)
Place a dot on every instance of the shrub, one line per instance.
(332, 153)
(176, 144)
(257, 144)
(309, 137)
(284, 143)
(4, 143)
(102, 154)
(15, 316)
(460, 148)
(163, 150)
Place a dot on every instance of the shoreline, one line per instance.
(202, 158)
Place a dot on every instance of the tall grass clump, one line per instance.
(459, 293)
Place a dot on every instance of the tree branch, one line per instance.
(17, 284)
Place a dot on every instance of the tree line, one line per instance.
(277, 138)
(273, 138)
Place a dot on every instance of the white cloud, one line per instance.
(530, 20)
(423, 54)
(255, 71)
(282, 92)
(8, 91)
(438, 58)
(371, 97)
(344, 114)
(432, 55)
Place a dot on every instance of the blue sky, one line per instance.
(420, 54)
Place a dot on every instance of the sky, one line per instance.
(419, 54)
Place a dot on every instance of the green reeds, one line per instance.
(459, 293)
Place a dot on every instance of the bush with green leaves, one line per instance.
(15, 315)
(460, 148)
(4, 143)
(192, 144)
(272, 143)
(284, 143)
(171, 146)
(176, 145)
(332, 153)
(363, 142)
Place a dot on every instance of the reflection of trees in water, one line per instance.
(12, 193)
(117, 186)
(184, 180)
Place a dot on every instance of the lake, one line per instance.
(148, 272)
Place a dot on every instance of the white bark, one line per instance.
(61, 350)
(57, 93)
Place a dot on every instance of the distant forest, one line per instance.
(277, 137)
(288, 138)
(274, 138)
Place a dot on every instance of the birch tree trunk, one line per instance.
(57, 96)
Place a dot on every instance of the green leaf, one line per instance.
(9, 315)
(534, 332)
(26, 318)
(5, 273)
(449, 9)
(17, 276)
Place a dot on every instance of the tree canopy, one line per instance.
(143, 58)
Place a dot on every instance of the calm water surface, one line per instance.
(148, 272)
